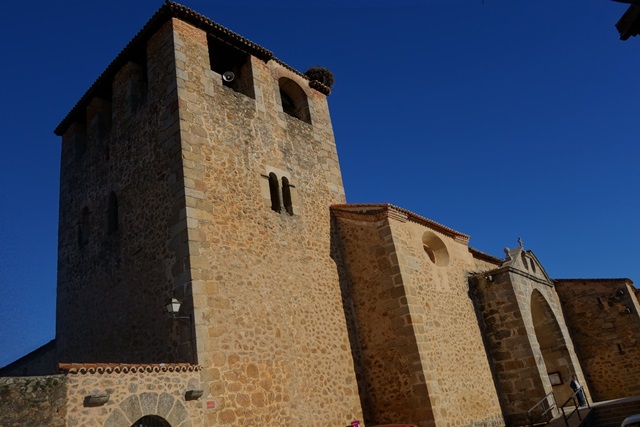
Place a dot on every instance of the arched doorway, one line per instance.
(553, 347)
(151, 421)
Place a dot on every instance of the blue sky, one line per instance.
(499, 119)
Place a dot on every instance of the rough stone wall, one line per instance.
(393, 379)
(514, 366)
(526, 334)
(112, 284)
(455, 364)
(422, 351)
(133, 393)
(604, 322)
(270, 325)
(33, 401)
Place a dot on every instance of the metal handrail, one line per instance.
(576, 409)
(544, 413)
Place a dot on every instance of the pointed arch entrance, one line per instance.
(151, 421)
(553, 347)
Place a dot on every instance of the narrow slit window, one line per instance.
(286, 196)
(275, 192)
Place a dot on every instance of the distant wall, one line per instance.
(33, 401)
(41, 361)
(602, 315)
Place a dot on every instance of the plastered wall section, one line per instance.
(605, 326)
(133, 394)
(422, 352)
(271, 330)
(112, 284)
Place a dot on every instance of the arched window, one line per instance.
(294, 100)
(151, 421)
(275, 192)
(112, 214)
(524, 260)
(286, 196)
(84, 226)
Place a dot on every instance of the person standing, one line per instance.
(577, 388)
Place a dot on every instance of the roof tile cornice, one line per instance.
(485, 256)
(109, 368)
(167, 11)
(377, 211)
(601, 280)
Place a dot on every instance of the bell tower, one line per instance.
(200, 167)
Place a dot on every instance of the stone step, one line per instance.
(611, 415)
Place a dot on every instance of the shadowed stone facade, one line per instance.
(419, 336)
(525, 331)
(602, 315)
(226, 194)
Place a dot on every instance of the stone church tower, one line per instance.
(177, 183)
(200, 169)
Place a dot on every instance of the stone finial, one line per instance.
(520, 242)
(507, 251)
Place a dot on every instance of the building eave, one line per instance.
(169, 10)
(374, 210)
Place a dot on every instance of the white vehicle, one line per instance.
(632, 421)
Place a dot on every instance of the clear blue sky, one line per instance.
(498, 119)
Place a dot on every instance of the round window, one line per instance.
(435, 248)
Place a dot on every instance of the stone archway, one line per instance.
(553, 347)
(150, 407)
(151, 421)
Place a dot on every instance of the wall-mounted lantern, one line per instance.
(173, 307)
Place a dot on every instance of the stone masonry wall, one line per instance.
(394, 385)
(134, 392)
(514, 366)
(270, 325)
(113, 279)
(602, 315)
(526, 334)
(547, 330)
(455, 364)
(33, 401)
(423, 356)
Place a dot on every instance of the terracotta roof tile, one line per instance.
(107, 368)
(376, 208)
(169, 10)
